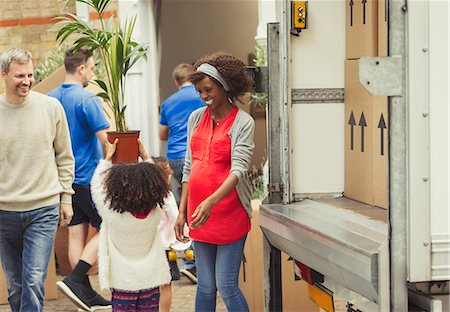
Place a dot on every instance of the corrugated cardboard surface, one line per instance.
(251, 278)
(50, 283)
(366, 150)
(380, 160)
(382, 28)
(295, 292)
(361, 28)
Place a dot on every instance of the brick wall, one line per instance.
(26, 24)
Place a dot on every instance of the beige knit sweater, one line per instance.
(36, 160)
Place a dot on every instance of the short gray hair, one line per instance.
(17, 55)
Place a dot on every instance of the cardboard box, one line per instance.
(366, 142)
(50, 283)
(382, 28)
(251, 275)
(361, 28)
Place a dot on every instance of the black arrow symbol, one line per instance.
(364, 11)
(352, 123)
(362, 123)
(382, 126)
(351, 12)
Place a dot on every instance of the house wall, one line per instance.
(190, 29)
(25, 24)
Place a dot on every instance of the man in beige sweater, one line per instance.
(36, 175)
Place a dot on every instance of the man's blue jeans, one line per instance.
(218, 269)
(26, 242)
(176, 164)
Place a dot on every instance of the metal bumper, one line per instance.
(346, 247)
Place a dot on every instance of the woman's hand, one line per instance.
(142, 152)
(110, 149)
(201, 213)
(179, 229)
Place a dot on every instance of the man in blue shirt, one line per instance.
(175, 112)
(88, 126)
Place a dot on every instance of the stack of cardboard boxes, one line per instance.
(366, 116)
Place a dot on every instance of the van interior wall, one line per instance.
(189, 29)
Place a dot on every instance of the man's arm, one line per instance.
(101, 135)
(163, 132)
(65, 165)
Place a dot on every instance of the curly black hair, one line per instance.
(136, 188)
(232, 70)
(163, 163)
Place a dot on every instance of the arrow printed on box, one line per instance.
(362, 123)
(351, 12)
(364, 10)
(382, 126)
(352, 123)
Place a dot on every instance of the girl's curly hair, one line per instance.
(232, 70)
(136, 188)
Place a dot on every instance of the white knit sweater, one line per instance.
(131, 255)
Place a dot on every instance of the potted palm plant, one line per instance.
(118, 52)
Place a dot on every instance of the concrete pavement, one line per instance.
(182, 301)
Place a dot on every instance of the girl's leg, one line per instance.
(228, 263)
(165, 298)
(205, 257)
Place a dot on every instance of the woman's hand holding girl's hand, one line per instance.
(142, 152)
(201, 214)
(179, 229)
(110, 149)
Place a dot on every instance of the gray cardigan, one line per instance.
(241, 135)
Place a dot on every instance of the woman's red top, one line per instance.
(211, 164)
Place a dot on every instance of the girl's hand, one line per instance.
(110, 149)
(142, 151)
(179, 229)
(201, 213)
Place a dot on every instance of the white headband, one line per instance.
(213, 72)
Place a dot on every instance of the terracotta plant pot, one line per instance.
(127, 149)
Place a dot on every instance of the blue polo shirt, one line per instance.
(85, 117)
(175, 112)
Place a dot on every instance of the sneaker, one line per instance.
(99, 303)
(191, 274)
(77, 292)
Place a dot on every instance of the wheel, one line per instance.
(172, 256)
(190, 254)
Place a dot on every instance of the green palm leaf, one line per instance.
(118, 52)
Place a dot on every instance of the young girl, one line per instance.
(166, 228)
(132, 261)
